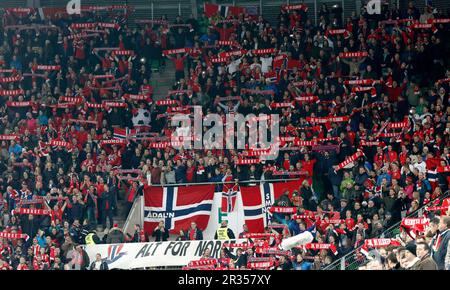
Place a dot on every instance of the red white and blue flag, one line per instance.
(257, 201)
(229, 194)
(124, 133)
(177, 206)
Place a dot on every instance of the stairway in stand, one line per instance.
(163, 80)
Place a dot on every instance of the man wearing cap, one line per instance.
(423, 253)
(408, 259)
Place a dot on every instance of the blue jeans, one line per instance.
(91, 215)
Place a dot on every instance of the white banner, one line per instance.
(154, 254)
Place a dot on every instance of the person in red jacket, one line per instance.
(179, 66)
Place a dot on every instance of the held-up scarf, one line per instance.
(19, 104)
(320, 246)
(322, 120)
(12, 92)
(304, 83)
(6, 235)
(364, 82)
(260, 235)
(308, 99)
(219, 60)
(378, 243)
(295, 7)
(437, 208)
(138, 97)
(304, 143)
(260, 263)
(356, 54)
(176, 51)
(439, 20)
(8, 137)
(247, 161)
(123, 52)
(350, 159)
(228, 43)
(271, 251)
(372, 143)
(32, 211)
(162, 145)
(197, 263)
(232, 53)
(282, 209)
(11, 79)
(243, 246)
(75, 100)
(59, 143)
(166, 102)
(441, 81)
(258, 92)
(48, 67)
(113, 142)
(263, 51)
(398, 125)
(345, 32)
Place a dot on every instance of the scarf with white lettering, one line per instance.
(378, 243)
(263, 51)
(8, 137)
(413, 226)
(176, 51)
(7, 235)
(11, 79)
(323, 120)
(32, 211)
(350, 160)
(356, 54)
(12, 92)
(320, 246)
(19, 104)
(283, 209)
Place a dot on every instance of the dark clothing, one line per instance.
(103, 266)
(160, 236)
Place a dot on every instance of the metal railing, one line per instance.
(225, 182)
(352, 261)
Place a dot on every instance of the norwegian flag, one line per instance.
(124, 133)
(177, 206)
(258, 200)
(229, 194)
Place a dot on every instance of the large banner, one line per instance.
(155, 254)
(177, 206)
(257, 200)
(251, 207)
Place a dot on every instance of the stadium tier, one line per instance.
(224, 135)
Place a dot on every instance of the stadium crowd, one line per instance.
(364, 122)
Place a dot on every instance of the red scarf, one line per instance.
(356, 54)
(350, 159)
(282, 209)
(322, 120)
(32, 211)
(12, 92)
(6, 235)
